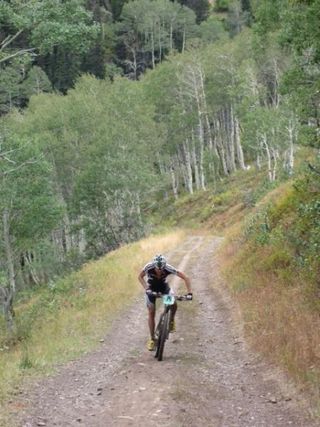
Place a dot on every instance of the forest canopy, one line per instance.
(110, 107)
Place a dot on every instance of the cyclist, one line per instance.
(157, 272)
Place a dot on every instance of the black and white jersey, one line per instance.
(155, 280)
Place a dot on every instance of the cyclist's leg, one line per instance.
(151, 306)
(172, 327)
(174, 310)
(151, 319)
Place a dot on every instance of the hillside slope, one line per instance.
(207, 376)
(267, 270)
(270, 260)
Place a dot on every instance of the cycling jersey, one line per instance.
(158, 283)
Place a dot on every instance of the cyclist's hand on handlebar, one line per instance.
(189, 296)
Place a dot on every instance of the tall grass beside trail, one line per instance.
(62, 322)
(272, 265)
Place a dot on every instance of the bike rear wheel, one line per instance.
(157, 334)
(163, 335)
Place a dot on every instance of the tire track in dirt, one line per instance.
(207, 377)
(227, 382)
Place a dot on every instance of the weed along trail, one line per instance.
(208, 376)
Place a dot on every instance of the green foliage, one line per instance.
(73, 35)
(279, 260)
(59, 32)
(291, 230)
(149, 31)
(253, 195)
(102, 152)
(212, 30)
(200, 7)
(257, 227)
(116, 6)
(301, 28)
(297, 26)
(36, 82)
(19, 81)
(27, 190)
(10, 95)
(308, 226)
(94, 157)
(267, 14)
(26, 362)
(66, 24)
(222, 5)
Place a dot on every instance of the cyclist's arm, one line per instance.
(141, 279)
(186, 281)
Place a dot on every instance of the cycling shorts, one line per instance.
(150, 299)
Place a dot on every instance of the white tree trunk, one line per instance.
(275, 157)
(198, 97)
(11, 288)
(195, 164)
(276, 94)
(174, 182)
(201, 149)
(237, 140)
(220, 148)
(152, 51)
(160, 43)
(187, 157)
(290, 151)
(31, 269)
(269, 160)
(8, 248)
(258, 161)
(184, 38)
(229, 139)
(208, 134)
(6, 298)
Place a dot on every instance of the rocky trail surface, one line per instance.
(208, 376)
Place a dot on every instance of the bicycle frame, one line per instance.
(163, 326)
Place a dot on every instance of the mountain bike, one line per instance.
(163, 327)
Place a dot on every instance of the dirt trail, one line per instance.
(207, 378)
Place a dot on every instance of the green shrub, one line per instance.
(222, 5)
(26, 362)
(279, 259)
(257, 227)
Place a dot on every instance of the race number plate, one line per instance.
(168, 299)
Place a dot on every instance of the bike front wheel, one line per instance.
(163, 335)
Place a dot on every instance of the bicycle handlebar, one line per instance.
(177, 297)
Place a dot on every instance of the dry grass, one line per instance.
(77, 316)
(281, 326)
(276, 296)
(278, 319)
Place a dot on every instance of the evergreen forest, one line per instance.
(112, 109)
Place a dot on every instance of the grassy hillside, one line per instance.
(271, 259)
(276, 258)
(71, 316)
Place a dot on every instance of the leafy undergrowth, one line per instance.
(226, 203)
(271, 259)
(221, 205)
(68, 318)
(272, 263)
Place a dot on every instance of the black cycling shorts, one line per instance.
(164, 289)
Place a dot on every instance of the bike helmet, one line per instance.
(160, 261)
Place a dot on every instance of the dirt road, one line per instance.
(208, 376)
